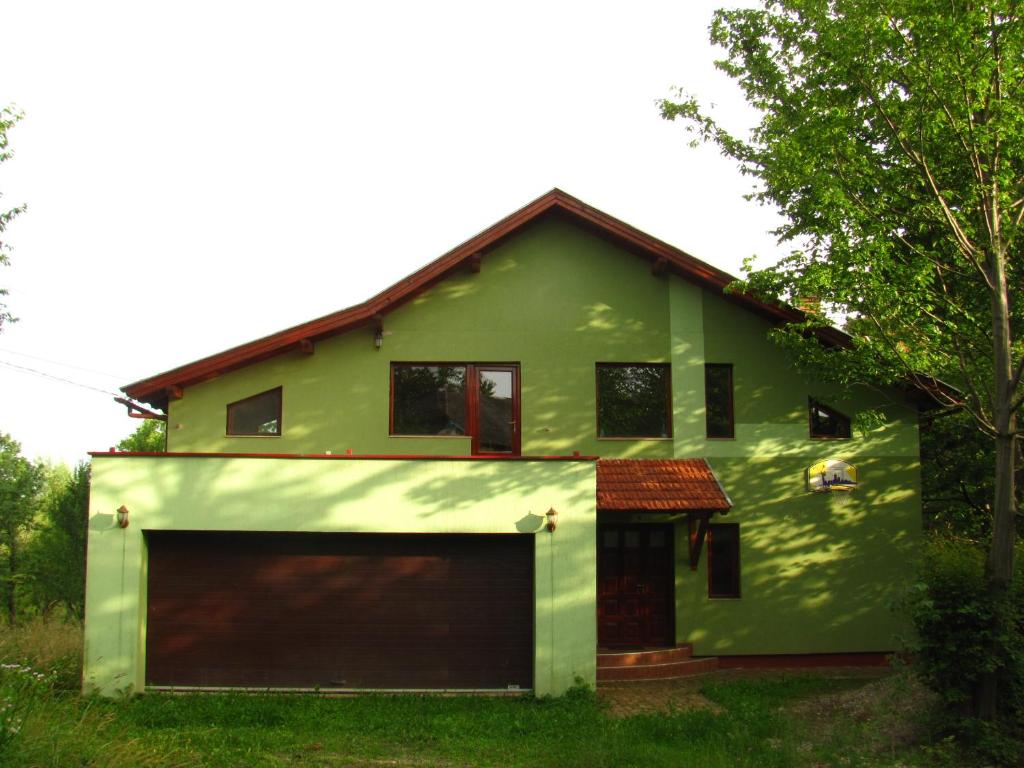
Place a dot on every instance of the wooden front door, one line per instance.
(635, 586)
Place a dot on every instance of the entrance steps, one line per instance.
(652, 664)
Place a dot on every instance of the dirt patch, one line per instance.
(883, 714)
(653, 696)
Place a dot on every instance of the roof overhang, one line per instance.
(673, 486)
(664, 258)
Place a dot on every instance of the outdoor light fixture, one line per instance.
(122, 516)
(378, 338)
(552, 516)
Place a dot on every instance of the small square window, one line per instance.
(259, 415)
(827, 422)
(634, 400)
(723, 544)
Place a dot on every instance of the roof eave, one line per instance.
(154, 389)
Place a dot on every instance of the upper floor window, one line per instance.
(634, 400)
(478, 400)
(827, 422)
(256, 415)
(718, 400)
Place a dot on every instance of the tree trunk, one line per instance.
(999, 566)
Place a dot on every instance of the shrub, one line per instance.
(954, 615)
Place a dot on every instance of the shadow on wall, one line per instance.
(819, 572)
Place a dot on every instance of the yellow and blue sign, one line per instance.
(831, 475)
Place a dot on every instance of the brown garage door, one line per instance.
(340, 610)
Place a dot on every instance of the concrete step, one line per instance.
(607, 659)
(666, 671)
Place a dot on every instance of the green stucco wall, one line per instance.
(554, 299)
(818, 573)
(816, 576)
(342, 495)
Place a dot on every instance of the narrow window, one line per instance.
(256, 415)
(718, 400)
(634, 400)
(723, 544)
(827, 422)
(477, 400)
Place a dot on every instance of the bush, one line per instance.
(954, 615)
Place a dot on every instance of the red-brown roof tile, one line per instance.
(659, 485)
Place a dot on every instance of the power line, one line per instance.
(57, 378)
(64, 365)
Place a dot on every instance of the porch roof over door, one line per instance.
(659, 485)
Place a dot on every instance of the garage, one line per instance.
(341, 611)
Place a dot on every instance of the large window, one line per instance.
(478, 400)
(634, 400)
(259, 415)
(827, 422)
(723, 560)
(718, 400)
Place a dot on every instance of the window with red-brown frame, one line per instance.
(478, 400)
(826, 423)
(256, 416)
(718, 400)
(634, 400)
(723, 543)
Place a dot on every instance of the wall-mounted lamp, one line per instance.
(122, 516)
(552, 516)
(378, 338)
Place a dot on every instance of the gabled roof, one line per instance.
(660, 485)
(156, 390)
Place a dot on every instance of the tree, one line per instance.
(149, 436)
(8, 117)
(55, 556)
(956, 476)
(20, 481)
(891, 137)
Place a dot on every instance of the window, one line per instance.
(634, 400)
(257, 415)
(477, 400)
(827, 422)
(723, 544)
(718, 400)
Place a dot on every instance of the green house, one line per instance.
(559, 452)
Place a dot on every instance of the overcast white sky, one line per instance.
(202, 174)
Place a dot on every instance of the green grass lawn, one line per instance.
(751, 726)
(764, 721)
